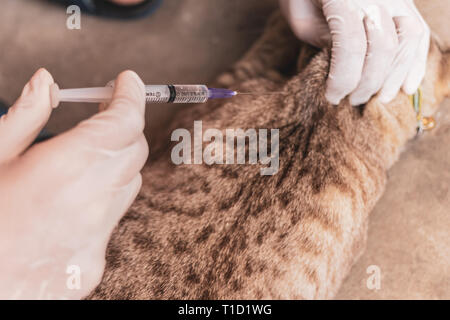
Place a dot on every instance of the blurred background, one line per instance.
(184, 41)
(192, 41)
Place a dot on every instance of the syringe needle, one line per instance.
(257, 93)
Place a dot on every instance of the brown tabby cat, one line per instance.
(226, 231)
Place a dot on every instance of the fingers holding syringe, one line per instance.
(112, 140)
(27, 117)
(125, 164)
(122, 122)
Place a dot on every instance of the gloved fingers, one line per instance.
(103, 222)
(307, 21)
(94, 168)
(102, 107)
(418, 69)
(409, 35)
(122, 122)
(348, 49)
(417, 72)
(90, 184)
(26, 118)
(128, 163)
(121, 202)
(382, 46)
(100, 169)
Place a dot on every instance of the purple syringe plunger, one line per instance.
(215, 93)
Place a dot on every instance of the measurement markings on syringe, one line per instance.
(177, 94)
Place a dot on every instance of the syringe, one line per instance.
(153, 94)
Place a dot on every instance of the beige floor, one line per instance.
(194, 40)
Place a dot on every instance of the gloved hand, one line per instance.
(376, 44)
(61, 199)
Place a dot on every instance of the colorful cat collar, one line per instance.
(423, 123)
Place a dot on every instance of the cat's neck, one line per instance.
(397, 124)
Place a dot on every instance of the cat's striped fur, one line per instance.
(226, 232)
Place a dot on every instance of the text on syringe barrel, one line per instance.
(176, 94)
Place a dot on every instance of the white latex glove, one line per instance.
(376, 44)
(61, 199)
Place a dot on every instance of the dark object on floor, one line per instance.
(107, 9)
(44, 135)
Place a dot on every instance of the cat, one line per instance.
(228, 232)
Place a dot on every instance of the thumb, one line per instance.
(26, 118)
(122, 122)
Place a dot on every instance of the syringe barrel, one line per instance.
(153, 94)
(176, 94)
